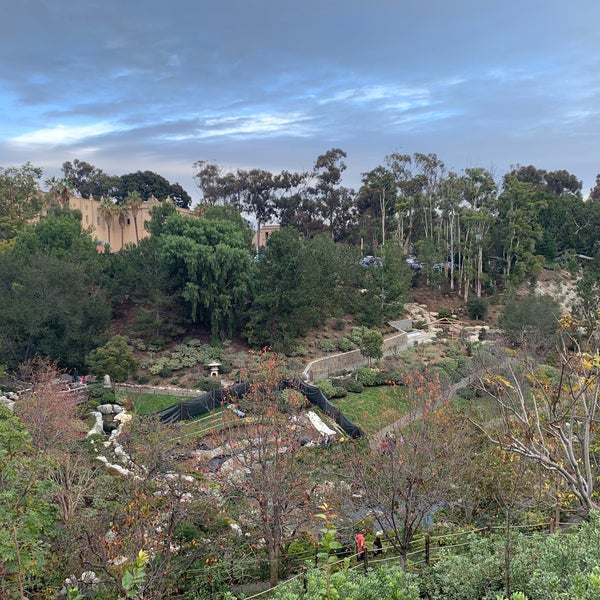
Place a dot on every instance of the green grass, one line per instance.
(145, 404)
(374, 408)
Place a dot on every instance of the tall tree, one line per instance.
(548, 415)
(519, 207)
(133, 203)
(334, 202)
(273, 496)
(20, 198)
(210, 265)
(416, 469)
(108, 210)
(89, 181)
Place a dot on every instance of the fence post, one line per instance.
(427, 547)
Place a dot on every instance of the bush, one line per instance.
(369, 377)
(351, 385)
(339, 324)
(208, 384)
(330, 390)
(142, 379)
(477, 308)
(327, 345)
(444, 314)
(345, 344)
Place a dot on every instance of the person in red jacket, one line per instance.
(360, 545)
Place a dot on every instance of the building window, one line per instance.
(128, 221)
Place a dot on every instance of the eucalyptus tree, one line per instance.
(480, 197)
(333, 201)
(376, 203)
(519, 205)
(89, 181)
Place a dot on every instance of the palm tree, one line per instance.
(122, 214)
(107, 209)
(133, 202)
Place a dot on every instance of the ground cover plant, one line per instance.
(374, 407)
(143, 403)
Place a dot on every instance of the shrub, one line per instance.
(330, 390)
(208, 384)
(369, 377)
(345, 344)
(477, 308)
(444, 314)
(351, 385)
(339, 324)
(356, 335)
(143, 379)
(327, 345)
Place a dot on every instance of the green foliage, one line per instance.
(115, 358)
(27, 516)
(134, 577)
(477, 308)
(209, 262)
(20, 198)
(371, 344)
(101, 394)
(345, 344)
(327, 345)
(53, 298)
(534, 318)
(351, 385)
(208, 384)
(369, 377)
(330, 390)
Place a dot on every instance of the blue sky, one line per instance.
(133, 85)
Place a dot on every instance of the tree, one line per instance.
(147, 184)
(59, 193)
(89, 181)
(532, 321)
(333, 201)
(210, 265)
(115, 358)
(371, 344)
(548, 415)
(27, 517)
(122, 212)
(47, 407)
(51, 306)
(108, 210)
(275, 483)
(416, 469)
(376, 200)
(20, 198)
(133, 203)
(519, 206)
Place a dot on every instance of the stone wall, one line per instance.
(337, 364)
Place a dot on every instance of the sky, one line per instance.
(130, 85)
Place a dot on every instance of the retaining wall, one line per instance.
(337, 364)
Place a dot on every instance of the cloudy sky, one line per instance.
(157, 85)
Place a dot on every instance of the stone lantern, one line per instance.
(214, 368)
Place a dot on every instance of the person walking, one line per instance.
(360, 545)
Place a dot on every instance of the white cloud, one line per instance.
(64, 134)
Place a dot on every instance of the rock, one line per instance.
(98, 428)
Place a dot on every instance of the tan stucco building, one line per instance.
(120, 230)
